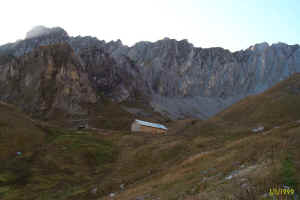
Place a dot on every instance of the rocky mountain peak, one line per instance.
(39, 31)
(260, 47)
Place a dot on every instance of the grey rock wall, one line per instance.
(178, 79)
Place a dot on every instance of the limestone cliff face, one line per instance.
(46, 79)
(112, 74)
(178, 69)
(89, 71)
(201, 82)
(177, 78)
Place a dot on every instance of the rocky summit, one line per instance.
(52, 70)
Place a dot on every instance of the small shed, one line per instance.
(142, 126)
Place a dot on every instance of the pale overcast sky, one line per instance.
(231, 24)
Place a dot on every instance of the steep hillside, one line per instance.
(17, 132)
(271, 109)
(276, 106)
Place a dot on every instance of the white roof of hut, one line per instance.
(151, 124)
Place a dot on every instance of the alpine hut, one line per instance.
(142, 126)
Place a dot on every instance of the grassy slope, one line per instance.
(17, 132)
(259, 159)
(52, 159)
(58, 163)
(225, 144)
(190, 162)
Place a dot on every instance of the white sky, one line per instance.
(205, 23)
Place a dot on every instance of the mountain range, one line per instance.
(51, 71)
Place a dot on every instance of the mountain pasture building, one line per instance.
(142, 126)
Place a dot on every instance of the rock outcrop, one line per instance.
(177, 78)
(45, 80)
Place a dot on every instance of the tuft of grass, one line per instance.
(288, 172)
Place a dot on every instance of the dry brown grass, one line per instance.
(259, 154)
